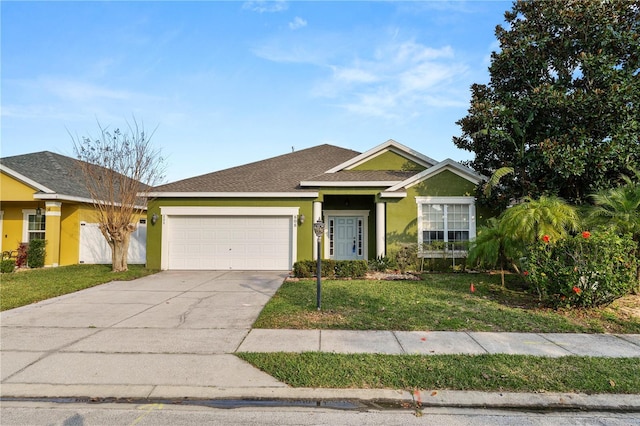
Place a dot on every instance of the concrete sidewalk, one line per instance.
(174, 335)
(442, 342)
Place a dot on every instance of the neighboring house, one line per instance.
(260, 216)
(43, 196)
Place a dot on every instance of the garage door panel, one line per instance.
(221, 242)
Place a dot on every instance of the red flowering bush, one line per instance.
(21, 259)
(588, 270)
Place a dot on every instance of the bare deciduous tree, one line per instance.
(119, 168)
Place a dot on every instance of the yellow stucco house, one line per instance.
(43, 196)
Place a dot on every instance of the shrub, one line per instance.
(7, 266)
(351, 268)
(328, 268)
(406, 258)
(35, 253)
(304, 269)
(307, 268)
(21, 258)
(382, 264)
(331, 268)
(588, 270)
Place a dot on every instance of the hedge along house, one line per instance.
(260, 216)
(43, 196)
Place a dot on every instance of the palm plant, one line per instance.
(549, 217)
(619, 209)
(492, 247)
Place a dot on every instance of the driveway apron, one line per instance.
(169, 333)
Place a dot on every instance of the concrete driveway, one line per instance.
(171, 334)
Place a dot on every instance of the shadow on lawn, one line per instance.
(439, 302)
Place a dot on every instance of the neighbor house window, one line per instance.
(445, 224)
(33, 226)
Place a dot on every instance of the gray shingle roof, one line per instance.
(54, 171)
(364, 176)
(278, 174)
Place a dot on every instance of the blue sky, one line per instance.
(227, 83)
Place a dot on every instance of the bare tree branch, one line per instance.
(119, 168)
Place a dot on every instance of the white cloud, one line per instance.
(80, 91)
(382, 103)
(391, 79)
(68, 100)
(262, 6)
(304, 48)
(297, 23)
(400, 80)
(354, 75)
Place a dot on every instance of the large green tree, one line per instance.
(562, 107)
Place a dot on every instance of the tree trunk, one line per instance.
(120, 250)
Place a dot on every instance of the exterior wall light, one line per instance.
(154, 219)
(301, 219)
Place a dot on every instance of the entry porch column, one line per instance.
(381, 229)
(52, 233)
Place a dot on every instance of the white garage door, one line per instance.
(95, 250)
(230, 242)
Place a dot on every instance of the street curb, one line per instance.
(364, 398)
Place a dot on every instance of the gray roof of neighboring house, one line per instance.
(56, 172)
(278, 174)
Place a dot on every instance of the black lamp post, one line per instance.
(318, 229)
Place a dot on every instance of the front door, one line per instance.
(347, 238)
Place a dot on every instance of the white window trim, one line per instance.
(25, 223)
(470, 201)
(355, 213)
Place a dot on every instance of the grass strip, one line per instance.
(30, 286)
(438, 302)
(491, 373)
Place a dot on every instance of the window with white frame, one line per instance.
(33, 226)
(445, 223)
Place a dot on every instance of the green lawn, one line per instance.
(30, 286)
(442, 302)
(515, 373)
(439, 302)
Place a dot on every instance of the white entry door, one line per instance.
(347, 235)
